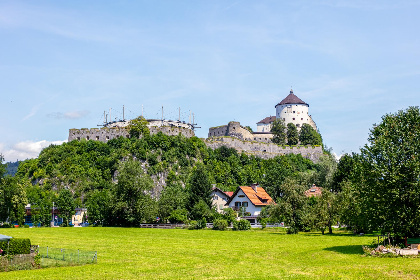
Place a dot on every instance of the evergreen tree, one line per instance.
(292, 134)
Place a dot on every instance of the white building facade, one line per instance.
(294, 110)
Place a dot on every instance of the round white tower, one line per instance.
(293, 110)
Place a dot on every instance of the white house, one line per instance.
(252, 199)
(294, 110)
(220, 198)
(265, 124)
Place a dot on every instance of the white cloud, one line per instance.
(26, 149)
(69, 115)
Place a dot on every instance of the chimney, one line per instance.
(255, 187)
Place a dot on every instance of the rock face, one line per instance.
(264, 150)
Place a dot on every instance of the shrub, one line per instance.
(198, 224)
(17, 246)
(220, 224)
(178, 216)
(241, 225)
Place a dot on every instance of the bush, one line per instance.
(178, 216)
(220, 224)
(241, 225)
(198, 224)
(17, 246)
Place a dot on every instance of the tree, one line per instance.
(133, 205)
(342, 172)
(172, 197)
(292, 134)
(390, 178)
(326, 211)
(138, 127)
(308, 136)
(279, 132)
(200, 187)
(291, 206)
(66, 205)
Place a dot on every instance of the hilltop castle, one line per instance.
(291, 109)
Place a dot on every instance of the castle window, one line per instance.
(294, 112)
(293, 118)
(297, 125)
(284, 119)
(301, 119)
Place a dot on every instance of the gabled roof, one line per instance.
(291, 99)
(217, 190)
(267, 120)
(258, 198)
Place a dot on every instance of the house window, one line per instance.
(245, 204)
(221, 207)
(237, 204)
(215, 197)
(241, 195)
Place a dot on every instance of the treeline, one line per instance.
(118, 181)
(375, 189)
(290, 135)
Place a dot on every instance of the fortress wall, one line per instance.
(105, 134)
(264, 150)
(218, 131)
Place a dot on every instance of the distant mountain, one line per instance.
(11, 168)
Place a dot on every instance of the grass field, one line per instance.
(133, 253)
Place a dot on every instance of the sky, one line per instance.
(63, 63)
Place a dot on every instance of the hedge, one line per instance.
(17, 246)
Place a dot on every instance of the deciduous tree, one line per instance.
(292, 134)
(279, 132)
(308, 136)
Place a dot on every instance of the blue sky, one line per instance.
(63, 63)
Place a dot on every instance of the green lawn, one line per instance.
(133, 253)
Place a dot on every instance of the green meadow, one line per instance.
(134, 253)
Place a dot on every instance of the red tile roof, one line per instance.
(291, 99)
(229, 193)
(258, 198)
(268, 120)
(313, 191)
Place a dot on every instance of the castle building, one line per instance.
(291, 109)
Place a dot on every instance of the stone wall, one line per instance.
(105, 134)
(264, 150)
(235, 129)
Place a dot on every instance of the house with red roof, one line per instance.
(220, 198)
(251, 199)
